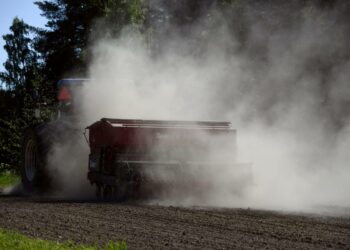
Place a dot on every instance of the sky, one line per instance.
(23, 9)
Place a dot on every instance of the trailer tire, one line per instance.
(35, 149)
(107, 193)
(121, 193)
(123, 175)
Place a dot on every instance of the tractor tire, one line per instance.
(37, 142)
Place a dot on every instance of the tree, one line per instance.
(21, 65)
(19, 77)
(20, 56)
(71, 24)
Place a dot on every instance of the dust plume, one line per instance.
(67, 165)
(279, 72)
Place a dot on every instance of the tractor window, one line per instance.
(68, 96)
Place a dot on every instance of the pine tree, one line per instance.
(21, 64)
(72, 24)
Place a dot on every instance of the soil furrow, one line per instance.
(151, 226)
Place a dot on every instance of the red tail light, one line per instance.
(64, 95)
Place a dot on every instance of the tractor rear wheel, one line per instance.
(34, 174)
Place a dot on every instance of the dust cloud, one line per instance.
(67, 166)
(280, 75)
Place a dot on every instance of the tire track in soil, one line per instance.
(146, 226)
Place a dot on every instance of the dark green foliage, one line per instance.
(20, 79)
(64, 45)
(61, 45)
(9, 144)
(20, 57)
(21, 65)
(8, 179)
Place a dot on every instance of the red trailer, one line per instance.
(122, 151)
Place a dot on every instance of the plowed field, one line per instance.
(149, 226)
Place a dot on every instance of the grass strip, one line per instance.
(8, 179)
(17, 241)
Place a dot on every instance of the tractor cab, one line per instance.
(67, 96)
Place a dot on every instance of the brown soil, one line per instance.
(145, 226)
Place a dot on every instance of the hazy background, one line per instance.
(282, 79)
(278, 70)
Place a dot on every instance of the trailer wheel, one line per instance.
(110, 193)
(107, 193)
(98, 192)
(34, 153)
(120, 193)
(123, 176)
